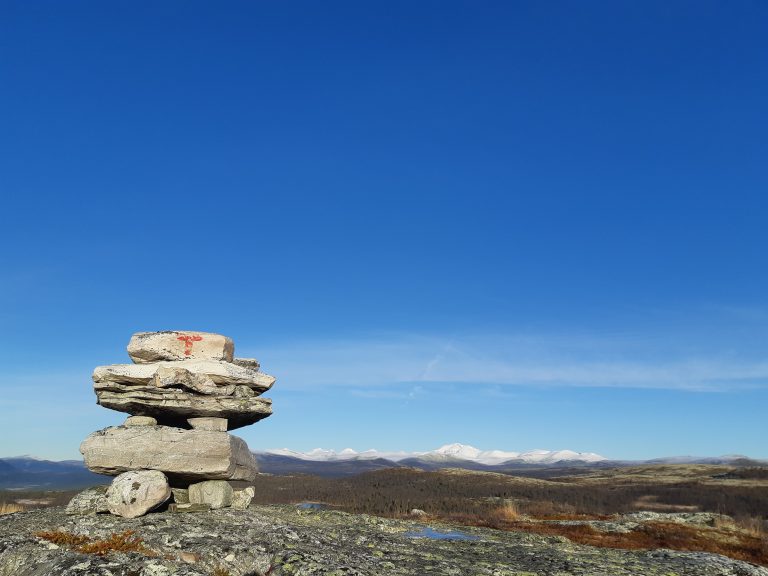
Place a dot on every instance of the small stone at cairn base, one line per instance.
(241, 499)
(89, 501)
(180, 495)
(140, 421)
(215, 424)
(135, 493)
(215, 493)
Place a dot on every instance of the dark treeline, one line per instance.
(749, 473)
(37, 498)
(397, 491)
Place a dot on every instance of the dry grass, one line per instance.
(508, 512)
(650, 502)
(753, 525)
(118, 542)
(745, 539)
(10, 508)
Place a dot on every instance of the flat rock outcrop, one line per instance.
(283, 540)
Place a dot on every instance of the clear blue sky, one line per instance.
(515, 225)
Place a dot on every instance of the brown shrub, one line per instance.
(508, 512)
(651, 535)
(118, 542)
(63, 538)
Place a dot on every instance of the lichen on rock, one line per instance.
(281, 540)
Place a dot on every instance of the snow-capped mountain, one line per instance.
(550, 457)
(446, 453)
(324, 455)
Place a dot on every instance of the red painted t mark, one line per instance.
(188, 342)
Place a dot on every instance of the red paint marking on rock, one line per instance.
(188, 342)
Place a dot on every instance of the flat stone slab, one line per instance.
(179, 345)
(160, 374)
(173, 407)
(183, 455)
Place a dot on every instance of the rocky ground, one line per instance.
(282, 540)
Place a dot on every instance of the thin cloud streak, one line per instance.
(509, 361)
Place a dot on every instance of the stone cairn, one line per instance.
(183, 392)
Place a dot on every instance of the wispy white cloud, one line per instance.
(408, 392)
(616, 360)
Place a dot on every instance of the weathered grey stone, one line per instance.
(275, 540)
(241, 499)
(180, 495)
(216, 493)
(179, 345)
(215, 424)
(177, 377)
(222, 373)
(171, 406)
(243, 392)
(89, 501)
(247, 363)
(184, 455)
(135, 493)
(693, 518)
(140, 421)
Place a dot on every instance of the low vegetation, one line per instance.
(118, 542)
(733, 539)
(570, 505)
(536, 505)
(396, 491)
(20, 500)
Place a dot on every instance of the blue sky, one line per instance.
(510, 224)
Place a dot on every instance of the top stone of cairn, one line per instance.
(179, 345)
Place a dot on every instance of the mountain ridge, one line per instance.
(34, 473)
(448, 452)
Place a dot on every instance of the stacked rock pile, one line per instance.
(183, 391)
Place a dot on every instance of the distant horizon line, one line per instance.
(398, 455)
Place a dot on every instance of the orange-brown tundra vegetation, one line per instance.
(126, 541)
(562, 505)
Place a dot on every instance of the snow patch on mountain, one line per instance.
(446, 453)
